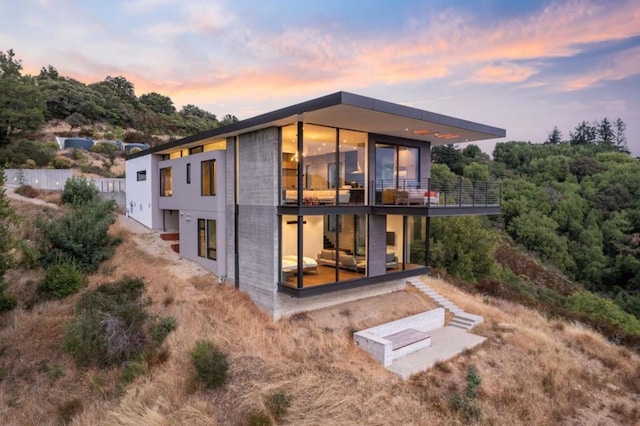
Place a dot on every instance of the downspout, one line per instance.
(236, 180)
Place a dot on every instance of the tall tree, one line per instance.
(158, 103)
(605, 131)
(197, 112)
(619, 139)
(20, 104)
(584, 134)
(554, 136)
(449, 155)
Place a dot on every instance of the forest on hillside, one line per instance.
(27, 102)
(574, 205)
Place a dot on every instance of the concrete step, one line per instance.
(461, 321)
(476, 319)
(460, 324)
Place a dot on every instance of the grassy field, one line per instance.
(532, 370)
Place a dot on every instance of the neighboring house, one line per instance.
(88, 143)
(320, 197)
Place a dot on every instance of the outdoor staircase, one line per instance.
(461, 319)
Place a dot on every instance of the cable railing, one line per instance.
(457, 192)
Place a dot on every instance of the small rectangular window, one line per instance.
(212, 252)
(188, 173)
(208, 171)
(195, 150)
(166, 182)
(141, 175)
(207, 246)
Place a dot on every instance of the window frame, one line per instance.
(188, 173)
(208, 176)
(141, 175)
(166, 190)
(207, 243)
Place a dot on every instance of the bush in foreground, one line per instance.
(62, 279)
(109, 324)
(81, 235)
(79, 191)
(210, 363)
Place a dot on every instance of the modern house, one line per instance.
(329, 196)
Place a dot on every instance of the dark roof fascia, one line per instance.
(333, 99)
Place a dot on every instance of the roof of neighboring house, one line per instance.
(353, 112)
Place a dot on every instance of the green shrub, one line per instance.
(133, 370)
(108, 326)
(81, 235)
(210, 363)
(162, 327)
(62, 279)
(30, 164)
(7, 302)
(62, 163)
(597, 307)
(78, 191)
(465, 404)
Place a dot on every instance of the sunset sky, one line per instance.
(526, 66)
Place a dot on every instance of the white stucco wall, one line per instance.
(142, 196)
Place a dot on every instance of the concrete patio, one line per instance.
(446, 343)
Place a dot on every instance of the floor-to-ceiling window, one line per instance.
(416, 244)
(397, 167)
(332, 162)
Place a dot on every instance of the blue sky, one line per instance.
(526, 66)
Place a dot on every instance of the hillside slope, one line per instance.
(533, 370)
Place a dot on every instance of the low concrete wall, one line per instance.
(372, 339)
(48, 179)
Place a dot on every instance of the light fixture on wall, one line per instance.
(358, 170)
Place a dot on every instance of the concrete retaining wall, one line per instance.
(372, 339)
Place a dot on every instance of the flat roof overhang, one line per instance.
(353, 112)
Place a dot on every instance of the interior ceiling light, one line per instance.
(423, 132)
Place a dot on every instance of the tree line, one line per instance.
(27, 102)
(574, 205)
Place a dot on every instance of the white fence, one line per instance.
(54, 179)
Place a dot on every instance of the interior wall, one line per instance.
(312, 228)
(313, 241)
(394, 224)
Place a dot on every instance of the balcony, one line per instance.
(441, 197)
(431, 197)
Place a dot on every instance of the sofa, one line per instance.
(349, 261)
(410, 196)
(321, 196)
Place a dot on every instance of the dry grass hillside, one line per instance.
(533, 370)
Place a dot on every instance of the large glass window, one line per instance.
(207, 246)
(208, 170)
(397, 167)
(333, 163)
(416, 251)
(166, 182)
(334, 249)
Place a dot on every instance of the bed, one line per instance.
(290, 264)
